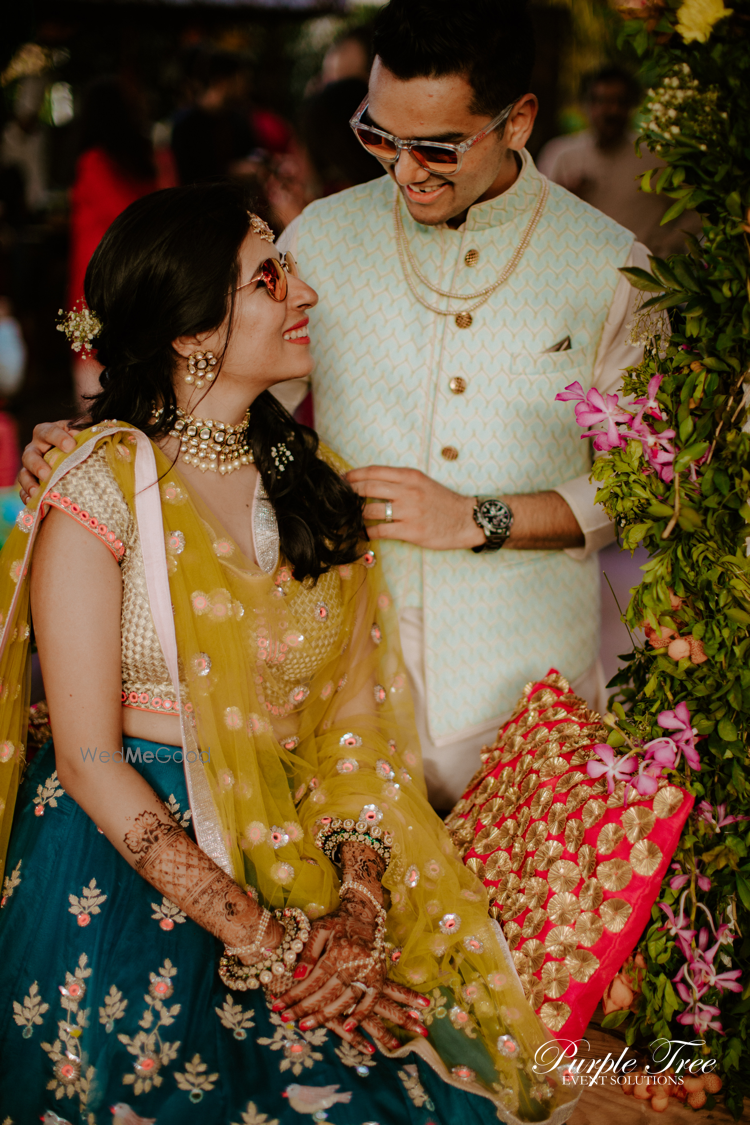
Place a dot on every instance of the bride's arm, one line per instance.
(76, 599)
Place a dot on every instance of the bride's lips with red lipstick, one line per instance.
(297, 334)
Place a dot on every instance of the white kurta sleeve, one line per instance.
(293, 392)
(614, 355)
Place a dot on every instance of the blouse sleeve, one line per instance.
(90, 494)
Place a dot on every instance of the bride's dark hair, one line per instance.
(168, 267)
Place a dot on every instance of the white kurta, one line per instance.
(547, 298)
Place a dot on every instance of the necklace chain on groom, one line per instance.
(463, 316)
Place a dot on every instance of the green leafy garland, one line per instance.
(691, 512)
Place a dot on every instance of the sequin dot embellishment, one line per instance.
(464, 1073)
(350, 740)
(321, 611)
(508, 1046)
(376, 634)
(176, 542)
(371, 814)
(161, 988)
(223, 548)
(368, 559)
(7, 750)
(282, 872)
(384, 769)
(411, 878)
(473, 944)
(289, 743)
(298, 695)
(202, 664)
(233, 718)
(450, 923)
(379, 693)
(200, 602)
(278, 836)
(347, 765)
(25, 521)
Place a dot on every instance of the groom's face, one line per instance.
(439, 109)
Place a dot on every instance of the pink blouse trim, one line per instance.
(56, 499)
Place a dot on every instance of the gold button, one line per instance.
(457, 385)
(464, 320)
(471, 257)
(449, 453)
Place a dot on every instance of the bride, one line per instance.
(224, 884)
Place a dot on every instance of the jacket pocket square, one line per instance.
(561, 346)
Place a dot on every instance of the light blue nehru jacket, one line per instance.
(382, 389)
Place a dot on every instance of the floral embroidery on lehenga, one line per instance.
(182, 818)
(113, 1009)
(89, 903)
(414, 1088)
(194, 1079)
(68, 1078)
(166, 913)
(151, 1052)
(10, 882)
(235, 1017)
(32, 1011)
(251, 1116)
(297, 1047)
(350, 1056)
(47, 794)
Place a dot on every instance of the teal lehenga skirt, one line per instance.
(110, 998)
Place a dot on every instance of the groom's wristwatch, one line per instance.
(495, 519)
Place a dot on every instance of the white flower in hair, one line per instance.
(80, 325)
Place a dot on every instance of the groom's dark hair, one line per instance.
(491, 42)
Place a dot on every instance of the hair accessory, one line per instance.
(200, 367)
(281, 456)
(276, 968)
(210, 446)
(261, 227)
(80, 325)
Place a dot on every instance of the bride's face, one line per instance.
(269, 342)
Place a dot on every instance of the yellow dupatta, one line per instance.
(295, 707)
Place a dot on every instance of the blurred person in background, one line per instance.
(338, 158)
(115, 167)
(349, 57)
(12, 366)
(23, 142)
(601, 165)
(212, 139)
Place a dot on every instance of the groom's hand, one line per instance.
(424, 512)
(47, 435)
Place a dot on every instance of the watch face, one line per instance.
(496, 517)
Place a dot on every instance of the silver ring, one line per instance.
(389, 511)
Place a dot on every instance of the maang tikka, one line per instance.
(200, 368)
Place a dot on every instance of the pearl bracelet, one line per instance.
(256, 946)
(276, 968)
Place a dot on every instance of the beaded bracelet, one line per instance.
(335, 832)
(255, 946)
(276, 968)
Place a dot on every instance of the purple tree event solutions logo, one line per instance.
(668, 1056)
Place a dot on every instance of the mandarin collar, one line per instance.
(516, 200)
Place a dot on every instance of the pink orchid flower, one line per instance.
(678, 927)
(647, 780)
(677, 882)
(649, 404)
(657, 448)
(701, 1018)
(594, 409)
(684, 736)
(614, 769)
(706, 814)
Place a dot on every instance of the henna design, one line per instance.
(171, 862)
(362, 865)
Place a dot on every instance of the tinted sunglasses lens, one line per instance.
(378, 146)
(274, 278)
(435, 158)
(290, 265)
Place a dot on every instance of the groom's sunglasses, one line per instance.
(273, 274)
(439, 157)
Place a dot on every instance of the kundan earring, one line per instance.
(200, 368)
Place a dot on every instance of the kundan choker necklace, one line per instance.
(210, 446)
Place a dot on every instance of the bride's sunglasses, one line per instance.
(273, 274)
(442, 158)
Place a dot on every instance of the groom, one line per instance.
(458, 294)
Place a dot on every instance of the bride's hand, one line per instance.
(341, 986)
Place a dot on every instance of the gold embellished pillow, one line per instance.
(572, 872)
